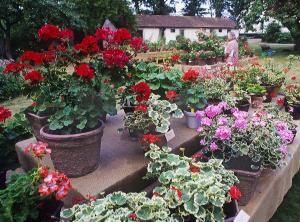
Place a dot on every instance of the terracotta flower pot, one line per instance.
(191, 121)
(37, 122)
(75, 154)
(256, 101)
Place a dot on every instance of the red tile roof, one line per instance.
(168, 21)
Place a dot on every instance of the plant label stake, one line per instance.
(242, 217)
(170, 135)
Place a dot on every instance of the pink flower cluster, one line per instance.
(54, 183)
(223, 133)
(39, 150)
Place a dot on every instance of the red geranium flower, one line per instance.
(156, 194)
(293, 77)
(141, 107)
(39, 149)
(133, 216)
(67, 34)
(137, 43)
(103, 33)
(171, 94)
(151, 138)
(121, 35)
(85, 71)
(34, 76)
(48, 57)
(175, 58)
(31, 56)
(273, 94)
(194, 169)
(16, 67)
(4, 113)
(143, 90)
(280, 101)
(115, 58)
(190, 75)
(43, 171)
(179, 193)
(290, 86)
(48, 32)
(57, 48)
(88, 45)
(235, 193)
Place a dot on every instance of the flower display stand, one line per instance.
(122, 162)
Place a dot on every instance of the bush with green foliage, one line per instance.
(10, 86)
(273, 34)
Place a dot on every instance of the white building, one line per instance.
(155, 27)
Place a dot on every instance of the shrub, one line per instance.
(10, 86)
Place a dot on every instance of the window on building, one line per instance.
(182, 32)
(172, 30)
(220, 30)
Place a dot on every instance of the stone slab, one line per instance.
(122, 165)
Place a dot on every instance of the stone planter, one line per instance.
(37, 122)
(243, 106)
(256, 101)
(191, 120)
(75, 154)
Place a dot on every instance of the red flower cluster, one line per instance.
(133, 216)
(34, 76)
(175, 58)
(15, 67)
(235, 193)
(33, 57)
(143, 90)
(48, 32)
(194, 169)
(103, 33)
(280, 101)
(141, 107)
(179, 193)
(88, 45)
(171, 94)
(137, 43)
(4, 113)
(57, 48)
(156, 194)
(85, 71)
(121, 35)
(293, 77)
(115, 58)
(38, 150)
(67, 34)
(151, 138)
(190, 75)
(54, 183)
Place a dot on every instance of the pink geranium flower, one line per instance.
(223, 133)
(212, 111)
(206, 121)
(240, 123)
(213, 147)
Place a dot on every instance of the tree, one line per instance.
(219, 6)
(287, 12)
(193, 7)
(160, 7)
(11, 12)
(94, 13)
(137, 5)
(238, 9)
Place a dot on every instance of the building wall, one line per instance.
(155, 34)
(151, 34)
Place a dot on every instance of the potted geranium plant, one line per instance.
(242, 98)
(151, 117)
(257, 93)
(245, 144)
(292, 100)
(82, 80)
(35, 196)
(191, 97)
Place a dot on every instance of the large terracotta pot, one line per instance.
(75, 154)
(37, 122)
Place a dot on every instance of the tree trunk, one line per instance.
(7, 45)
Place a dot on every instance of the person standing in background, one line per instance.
(231, 50)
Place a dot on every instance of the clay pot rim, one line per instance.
(37, 116)
(71, 136)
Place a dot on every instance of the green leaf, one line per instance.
(218, 214)
(118, 198)
(191, 207)
(82, 124)
(144, 213)
(201, 199)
